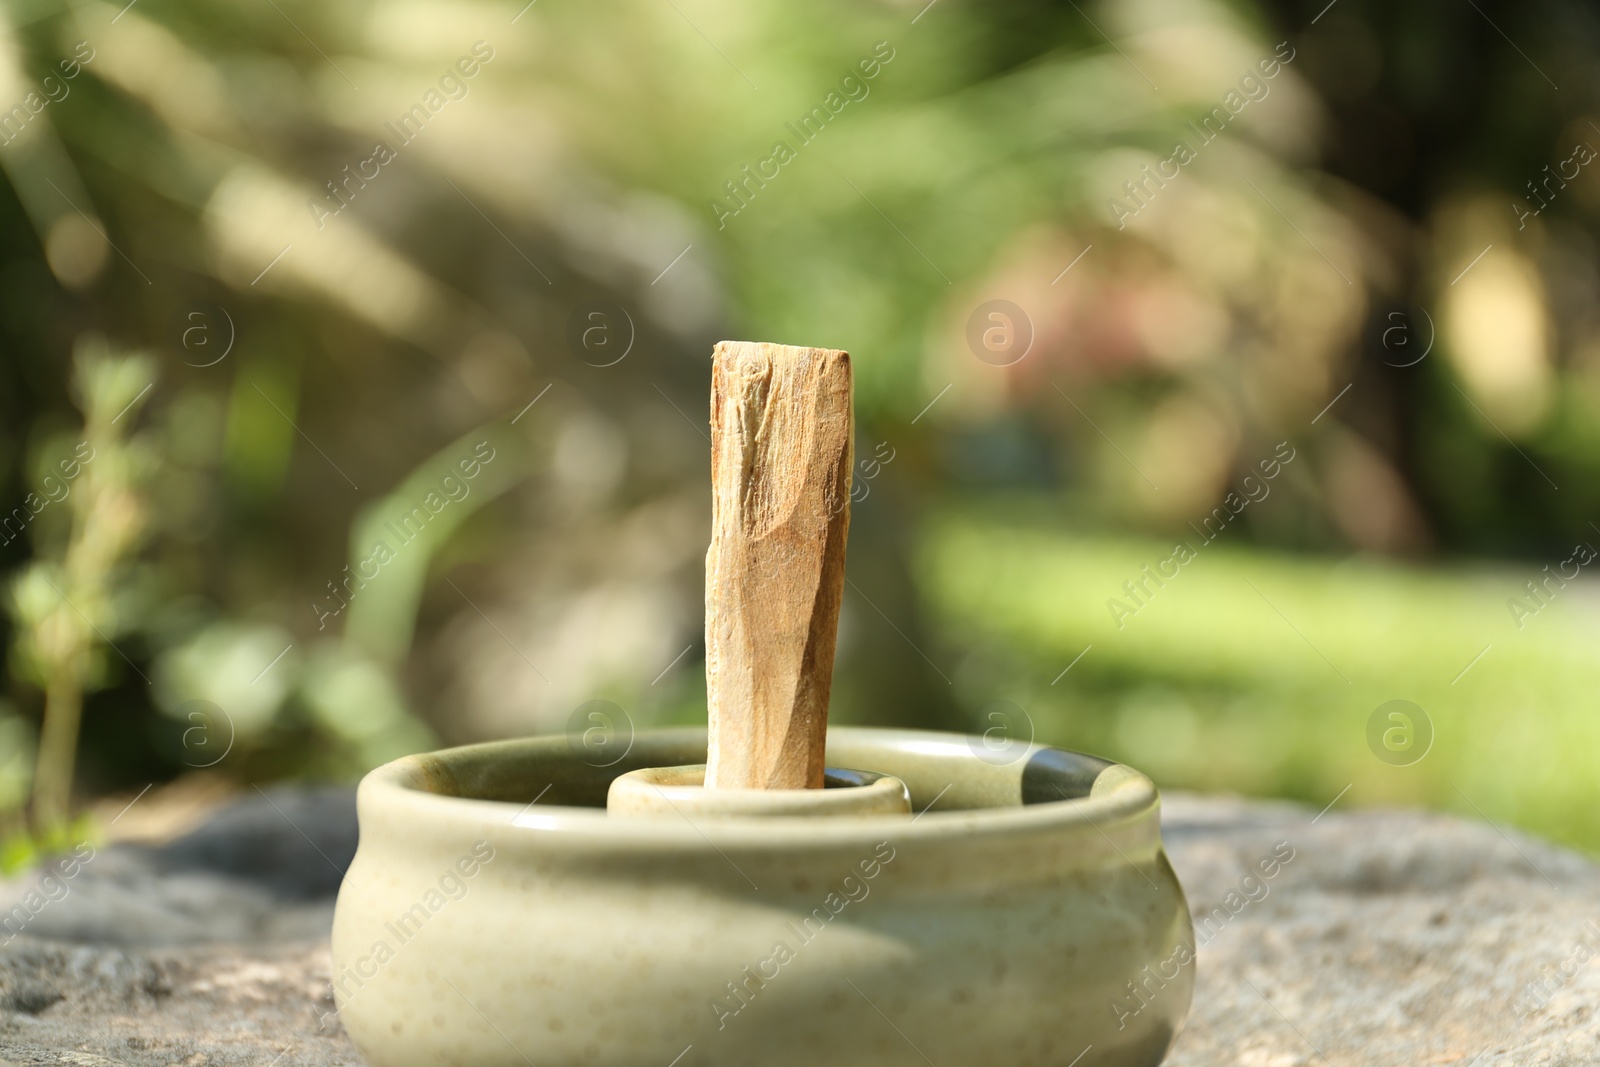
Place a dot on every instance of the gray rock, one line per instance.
(1383, 938)
(1390, 938)
(232, 1006)
(211, 950)
(265, 868)
(293, 842)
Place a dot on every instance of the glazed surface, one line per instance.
(997, 925)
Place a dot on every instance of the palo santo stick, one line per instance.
(782, 445)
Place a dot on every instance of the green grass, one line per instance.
(1256, 672)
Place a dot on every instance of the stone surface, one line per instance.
(1387, 938)
(1390, 938)
(210, 950)
(265, 868)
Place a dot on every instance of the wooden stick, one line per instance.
(782, 445)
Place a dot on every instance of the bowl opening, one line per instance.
(949, 772)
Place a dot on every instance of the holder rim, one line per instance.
(681, 791)
(462, 790)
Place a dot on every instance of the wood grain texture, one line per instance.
(782, 445)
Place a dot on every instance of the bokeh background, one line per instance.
(271, 270)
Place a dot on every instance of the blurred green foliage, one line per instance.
(329, 330)
(1253, 671)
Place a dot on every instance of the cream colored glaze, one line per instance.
(679, 792)
(980, 931)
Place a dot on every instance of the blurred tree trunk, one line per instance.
(58, 746)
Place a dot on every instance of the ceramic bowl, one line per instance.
(496, 916)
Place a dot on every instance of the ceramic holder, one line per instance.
(495, 915)
(681, 791)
